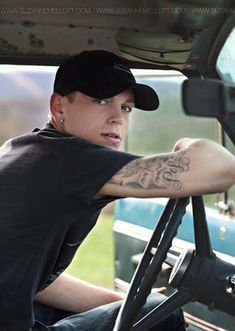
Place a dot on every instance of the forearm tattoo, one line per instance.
(154, 172)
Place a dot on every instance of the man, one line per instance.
(55, 181)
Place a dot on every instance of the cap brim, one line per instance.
(145, 97)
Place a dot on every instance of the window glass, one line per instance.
(157, 131)
(226, 60)
(24, 98)
(24, 105)
(226, 69)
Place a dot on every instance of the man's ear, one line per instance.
(56, 106)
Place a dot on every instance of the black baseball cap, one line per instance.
(102, 74)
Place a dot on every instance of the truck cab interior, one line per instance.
(193, 40)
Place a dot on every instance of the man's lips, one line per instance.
(114, 138)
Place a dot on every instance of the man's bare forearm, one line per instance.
(195, 167)
(75, 295)
(155, 172)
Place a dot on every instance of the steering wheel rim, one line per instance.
(150, 266)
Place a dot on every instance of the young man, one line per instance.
(56, 180)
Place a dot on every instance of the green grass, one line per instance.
(94, 260)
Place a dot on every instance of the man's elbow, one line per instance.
(216, 162)
(230, 174)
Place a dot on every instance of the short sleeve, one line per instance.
(88, 167)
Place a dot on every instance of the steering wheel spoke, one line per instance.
(150, 265)
(167, 307)
(202, 238)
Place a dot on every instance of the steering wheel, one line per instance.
(195, 274)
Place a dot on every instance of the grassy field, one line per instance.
(94, 260)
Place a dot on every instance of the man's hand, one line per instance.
(159, 290)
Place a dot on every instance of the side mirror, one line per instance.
(211, 98)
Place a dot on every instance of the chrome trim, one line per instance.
(143, 234)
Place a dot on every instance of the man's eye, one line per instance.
(126, 109)
(101, 101)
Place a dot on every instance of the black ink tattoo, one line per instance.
(154, 172)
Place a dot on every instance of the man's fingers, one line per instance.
(159, 290)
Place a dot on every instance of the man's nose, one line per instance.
(115, 115)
